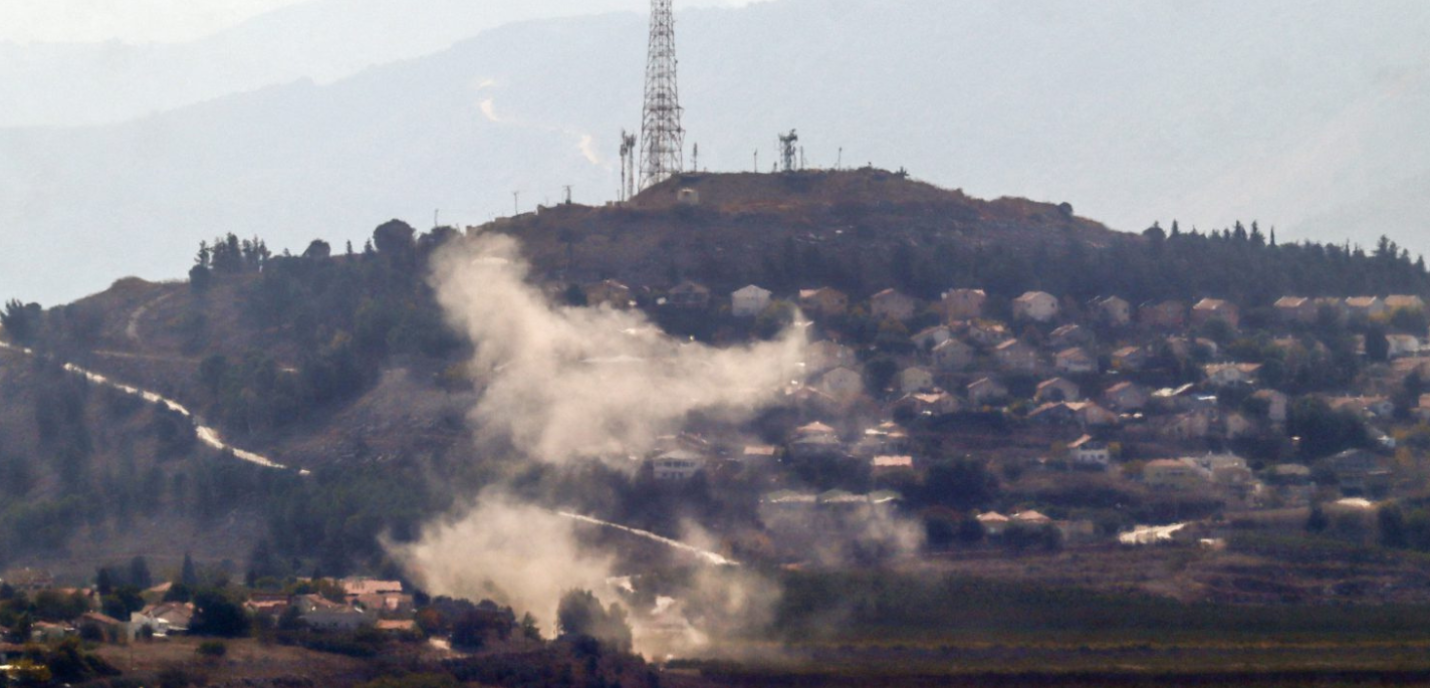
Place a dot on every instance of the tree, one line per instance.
(217, 614)
(1317, 522)
(188, 575)
(581, 614)
(1392, 527)
(21, 321)
(139, 575)
(1377, 347)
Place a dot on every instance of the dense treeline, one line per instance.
(1244, 265)
(350, 314)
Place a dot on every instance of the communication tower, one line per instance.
(788, 151)
(662, 138)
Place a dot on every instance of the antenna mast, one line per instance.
(662, 138)
(788, 150)
(628, 166)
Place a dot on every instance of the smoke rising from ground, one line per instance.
(568, 383)
(565, 384)
(501, 549)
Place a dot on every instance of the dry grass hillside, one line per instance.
(741, 226)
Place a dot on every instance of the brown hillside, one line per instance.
(742, 223)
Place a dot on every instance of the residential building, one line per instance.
(1038, 306)
(609, 293)
(749, 301)
(1075, 361)
(689, 295)
(953, 355)
(929, 404)
(1225, 374)
(985, 391)
(1277, 404)
(1402, 345)
(1016, 356)
(824, 301)
(677, 465)
(993, 523)
(914, 379)
(1086, 451)
(930, 337)
(1173, 474)
(825, 354)
(1112, 310)
(964, 304)
(1057, 389)
(1127, 397)
(1208, 310)
(1162, 315)
(1406, 302)
(1129, 359)
(1365, 306)
(890, 304)
(842, 383)
(1296, 309)
(1070, 335)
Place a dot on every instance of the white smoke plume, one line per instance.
(568, 383)
(565, 384)
(501, 549)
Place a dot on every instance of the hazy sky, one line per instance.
(163, 21)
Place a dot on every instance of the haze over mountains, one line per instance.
(1306, 115)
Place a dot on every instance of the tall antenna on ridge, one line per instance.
(628, 166)
(662, 138)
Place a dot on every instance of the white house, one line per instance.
(750, 301)
(1086, 451)
(680, 464)
(1039, 306)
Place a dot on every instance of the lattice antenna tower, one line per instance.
(788, 151)
(662, 138)
(628, 166)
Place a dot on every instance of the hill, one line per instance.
(850, 228)
(341, 363)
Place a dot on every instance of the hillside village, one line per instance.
(1227, 413)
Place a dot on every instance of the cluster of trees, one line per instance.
(351, 314)
(1240, 263)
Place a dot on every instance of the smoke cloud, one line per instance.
(501, 549)
(569, 383)
(566, 384)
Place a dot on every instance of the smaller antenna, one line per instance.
(515, 203)
(695, 159)
(757, 161)
(839, 162)
(568, 193)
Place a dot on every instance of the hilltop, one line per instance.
(856, 228)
